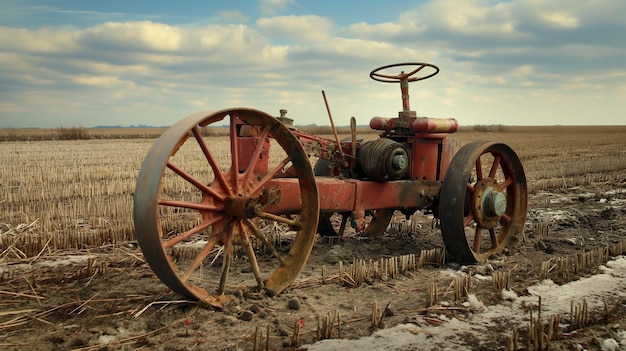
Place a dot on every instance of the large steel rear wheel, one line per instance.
(483, 201)
(200, 206)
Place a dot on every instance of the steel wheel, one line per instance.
(379, 219)
(202, 208)
(483, 201)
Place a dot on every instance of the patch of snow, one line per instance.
(197, 244)
(63, 262)
(481, 277)
(509, 295)
(622, 337)
(49, 262)
(473, 303)
(106, 338)
(450, 334)
(550, 215)
(454, 273)
(561, 200)
(610, 345)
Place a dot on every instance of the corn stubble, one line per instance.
(77, 194)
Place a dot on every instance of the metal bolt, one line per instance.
(399, 162)
(496, 203)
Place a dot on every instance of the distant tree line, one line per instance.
(130, 126)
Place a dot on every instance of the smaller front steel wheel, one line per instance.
(484, 191)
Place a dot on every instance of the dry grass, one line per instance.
(75, 194)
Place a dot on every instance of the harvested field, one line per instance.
(72, 277)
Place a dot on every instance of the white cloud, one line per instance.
(167, 44)
(480, 24)
(365, 48)
(457, 15)
(104, 81)
(102, 68)
(486, 50)
(560, 19)
(135, 35)
(9, 106)
(125, 65)
(523, 70)
(463, 18)
(505, 38)
(271, 7)
(39, 41)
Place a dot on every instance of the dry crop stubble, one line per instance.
(77, 194)
(62, 195)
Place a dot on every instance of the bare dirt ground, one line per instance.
(109, 299)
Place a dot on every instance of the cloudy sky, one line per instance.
(517, 62)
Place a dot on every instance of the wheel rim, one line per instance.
(198, 210)
(483, 201)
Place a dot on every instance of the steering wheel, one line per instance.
(386, 78)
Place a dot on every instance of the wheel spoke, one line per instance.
(190, 205)
(384, 76)
(269, 176)
(212, 162)
(470, 188)
(505, 219)
(257, 232)
(201, 256)
(468, 220)
(191, 179)
(180, 237)
(273, 217)
(255, 158)
(234, 153)
(503, 222)
(477, 235)
(254, 265)
(228, 257)
(479, 169)
(494, 239)
(506, 183)
(415, 71)
(494, 166)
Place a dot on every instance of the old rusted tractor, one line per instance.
(200, 205)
